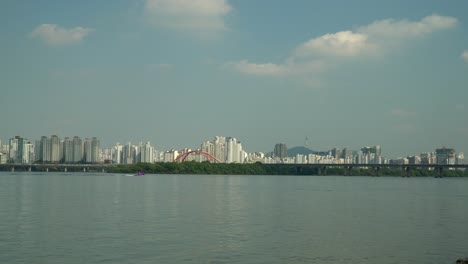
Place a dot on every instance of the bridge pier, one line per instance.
(29, 169)
(439, 171)
(347, 171)
(103, 170)
(65, 170)
(84, 169)
(377, 172)
(47, 169)
(12, 169)
(325, 170)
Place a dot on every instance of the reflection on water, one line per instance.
(83, 218)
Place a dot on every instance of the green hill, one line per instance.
(292, 152)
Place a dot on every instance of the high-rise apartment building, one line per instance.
(117, 154)
(95, 150)
(13, 153)
(54, 149)
(77, 149)
(280, 151)
(445, 156)
(220, 148)
(87, 150)
(68, 150)
(45, 148)
(146, 153)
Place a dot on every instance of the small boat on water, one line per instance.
(140, 174)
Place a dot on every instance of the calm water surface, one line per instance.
(111, 218)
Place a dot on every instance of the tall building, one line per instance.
(77, 149)
(280, 151)
(220, 148)
(209, 148)
(336, 153)
(233, 151)
(38, 151)
(13, 153)
(68, 150)
(128, 154)
(117, 154)
(54, 149)
(95, 150)
(45, 148)
(87, 150)
(445, 155)
(146, 153)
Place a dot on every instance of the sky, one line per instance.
(178, 72)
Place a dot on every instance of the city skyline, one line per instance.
(221, 149)
(342, 74)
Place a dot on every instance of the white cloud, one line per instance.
(342, 44)
(192, 15)
(391, 28)
(371, 40)
(55, 35)
(245, 66)
(271, 69)
(465, 55)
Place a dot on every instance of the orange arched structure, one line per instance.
(181, 158)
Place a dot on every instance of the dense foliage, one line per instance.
(271, 169)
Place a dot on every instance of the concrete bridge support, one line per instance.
(47, 169)
(377, 172)
(324, 170)
(29, 169)
(408, 172)
(439, 172)
(65, 169)
(348, 171)
(12, 169)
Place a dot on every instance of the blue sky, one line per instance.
(177, 72)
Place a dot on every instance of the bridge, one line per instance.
(46, 167)
(208, 156)
(298, 169)
(321, 169)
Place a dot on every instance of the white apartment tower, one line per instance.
(77, 149)
(68, 150)
(45, 149)
(54, 149)
(117, 154)
(95, 150)
(146, 153)
(220, 148)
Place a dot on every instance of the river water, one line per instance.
(112, 218)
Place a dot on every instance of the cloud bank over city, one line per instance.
(178, 72)
(375, 39)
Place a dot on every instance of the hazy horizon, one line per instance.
(176, 73)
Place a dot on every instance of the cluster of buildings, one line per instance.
(221, 149)
(366, 155)
(51, 150)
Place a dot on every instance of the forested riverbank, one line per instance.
(278, 169)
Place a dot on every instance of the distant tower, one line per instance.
(280, 151)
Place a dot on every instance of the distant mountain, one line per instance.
(292, 152)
